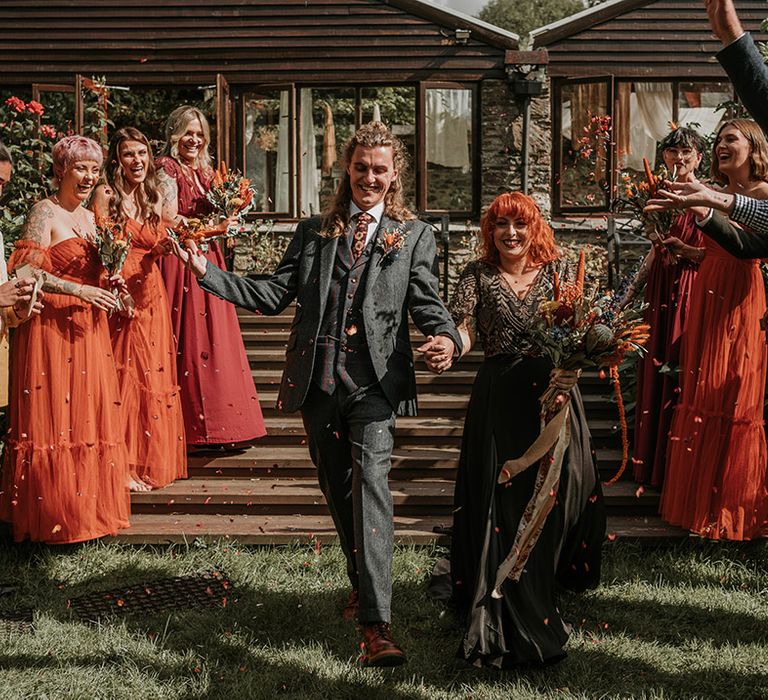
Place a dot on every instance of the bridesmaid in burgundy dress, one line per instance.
(667, 294)
(219, 398)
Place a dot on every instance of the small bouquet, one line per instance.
(230, 192)
(112, 241)
(637, 192)
(576, 329)
(232, 196)
(200, 230)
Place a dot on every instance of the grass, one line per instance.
(682, 621)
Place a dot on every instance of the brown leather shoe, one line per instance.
(380, 649)
(349, 611)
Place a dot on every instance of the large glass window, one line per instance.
(643, 118)
(395, 107)
(292, 137)
(448, 141)
(327, 120)
(698, 103)
(267, 143)
(600, 121)
(585, 129)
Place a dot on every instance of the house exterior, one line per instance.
(285, 83)
(642, 64)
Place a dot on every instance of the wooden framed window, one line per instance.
(447, 162)
(266, 146)
(290, 140)
(60, 105)
(583, 155)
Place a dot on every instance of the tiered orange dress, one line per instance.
(715, 483)
(145, 357)
(65, 464)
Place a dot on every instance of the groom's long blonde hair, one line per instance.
(370, 135)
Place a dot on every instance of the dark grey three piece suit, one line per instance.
(349, 369)
(749, 75)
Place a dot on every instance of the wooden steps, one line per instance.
(310, 529)
(292, 461)
(267, 492)
(281, 495)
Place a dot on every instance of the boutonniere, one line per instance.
(391, 242)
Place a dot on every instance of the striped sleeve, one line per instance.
(750, 213)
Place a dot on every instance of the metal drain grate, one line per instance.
(163, 595)
(16, 622)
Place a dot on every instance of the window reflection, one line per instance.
(267, 144)
(327, 120)
(395, 107)
(448, 140)
(586, 135)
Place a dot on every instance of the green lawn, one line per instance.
(684, 621)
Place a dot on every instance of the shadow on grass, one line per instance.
(269, 642)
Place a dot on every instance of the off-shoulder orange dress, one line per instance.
(715, 483)
(65, 464)
(145, 356)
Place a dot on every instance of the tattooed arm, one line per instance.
(169, 193)
(37, 229)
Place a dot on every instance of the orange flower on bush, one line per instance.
(16, 103)
(35, 107)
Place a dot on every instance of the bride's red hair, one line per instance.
(516, 205)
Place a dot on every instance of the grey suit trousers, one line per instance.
(350, 440)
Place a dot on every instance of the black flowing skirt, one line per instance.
(503, 420)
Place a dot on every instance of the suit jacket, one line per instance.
(735, 240)
(749, 75)
(397, 283)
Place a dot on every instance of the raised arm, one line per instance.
(741, 59)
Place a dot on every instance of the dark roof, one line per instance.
(249, 41)
(641, 38)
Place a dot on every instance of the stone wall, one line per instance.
(502, 139)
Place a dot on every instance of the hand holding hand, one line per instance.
(437, 352)
(191, 257)
(16, 290)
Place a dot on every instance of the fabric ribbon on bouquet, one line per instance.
(548, 451)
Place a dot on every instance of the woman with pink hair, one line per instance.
(65, 472)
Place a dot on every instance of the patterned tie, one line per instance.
(361, 234)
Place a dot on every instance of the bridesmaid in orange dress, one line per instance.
(65, 464)
(142, 339)
(716, 465)
(219, 398)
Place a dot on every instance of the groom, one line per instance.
(355, 273)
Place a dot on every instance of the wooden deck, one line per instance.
(267, 492)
